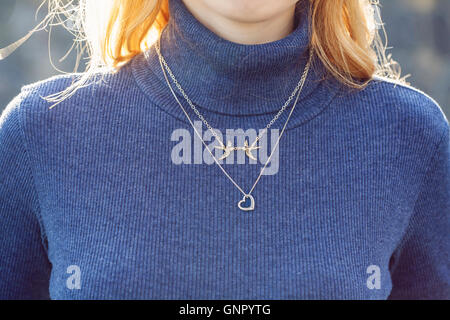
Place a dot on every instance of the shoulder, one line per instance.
(32, 120)
(103, 88)
(102, 83)
(416, 116)
(414, 106)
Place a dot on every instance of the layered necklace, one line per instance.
(247, 203)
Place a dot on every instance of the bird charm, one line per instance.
(248, 149)
(227, 149)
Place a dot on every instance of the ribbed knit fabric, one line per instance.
(362, 182)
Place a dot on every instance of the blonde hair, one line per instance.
(344, 34)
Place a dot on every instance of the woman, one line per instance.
(327, 181)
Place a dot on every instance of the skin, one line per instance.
(245, 21)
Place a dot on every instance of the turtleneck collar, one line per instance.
(228, 78)
(185, 37)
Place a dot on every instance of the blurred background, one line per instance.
(418, 32)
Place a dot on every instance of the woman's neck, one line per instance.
(226, 77)
(254, 30)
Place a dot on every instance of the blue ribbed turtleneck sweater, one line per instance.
(107, 195)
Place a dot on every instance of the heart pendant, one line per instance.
(244, 205)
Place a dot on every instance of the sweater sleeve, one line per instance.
(24, 266)
(420, 265)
